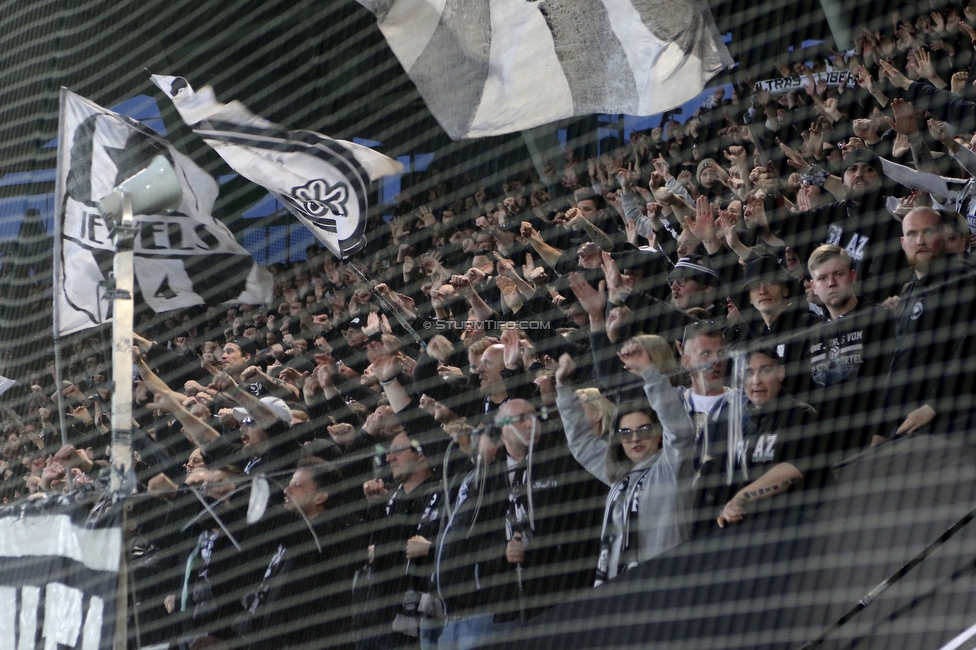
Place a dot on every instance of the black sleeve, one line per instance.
(945, 105)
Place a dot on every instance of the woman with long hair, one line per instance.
(647, 461)
(598, 411)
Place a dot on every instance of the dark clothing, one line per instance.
(652, 316)
(788, 336)
(849, 362)
(782, 430)
(222, 452)
(472, 574)
(303, 594)
(934, 361)
(866, 231)
(398, 582)
(946, 106)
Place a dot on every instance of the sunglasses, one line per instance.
(644, 432)
(397, 450)
(247, 422)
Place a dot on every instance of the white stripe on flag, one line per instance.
(640, 45)
(525, 77)
(959, 640)
(5, 384)
(408, 27)
(55, 535)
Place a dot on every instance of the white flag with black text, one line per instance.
(59, 571)
(323, 182)
(488, 67)
(181, 258)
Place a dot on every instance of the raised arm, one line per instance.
(588, 450)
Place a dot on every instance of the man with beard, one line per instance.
(860, 224)
(303, 593)
(405, 524)
(930, 383)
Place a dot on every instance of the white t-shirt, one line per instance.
(703, 405)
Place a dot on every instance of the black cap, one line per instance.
(767, 268)
(245, 344)
(863, 156)
(356, 322)
(631, 257)
(694, 268)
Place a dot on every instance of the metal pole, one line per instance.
(122, 310)
(59, 204)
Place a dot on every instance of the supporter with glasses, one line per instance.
(648, 462)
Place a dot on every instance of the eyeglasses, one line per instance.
(502, 421)
(396, 450)
(247, 422)
(644, 432)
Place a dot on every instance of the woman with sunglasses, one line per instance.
(647, 462)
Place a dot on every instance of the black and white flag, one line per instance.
(323, 182)
(58, 578)
(488, 67)
(182, 258)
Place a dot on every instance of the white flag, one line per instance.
(488, 67)
(323, 182)
(181, 259)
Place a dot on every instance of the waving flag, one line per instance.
(181, 258)
(59, 570)
(488, 67)
(323, 182)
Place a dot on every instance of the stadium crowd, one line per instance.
(515, 393)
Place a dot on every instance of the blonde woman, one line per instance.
(647, 461)
(661, 355)
(598, 411)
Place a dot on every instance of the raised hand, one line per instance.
(635, 358)
(615, 322)
(703, 225)
(593, 301)
(565, 370)
(894, 75)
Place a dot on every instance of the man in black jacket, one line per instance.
(860, 224)
(303, 596)
(930, 383)
(848, 353)
(404, 523)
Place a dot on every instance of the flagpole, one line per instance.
(122, 312)
(58, 244)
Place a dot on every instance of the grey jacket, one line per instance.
(664, 506)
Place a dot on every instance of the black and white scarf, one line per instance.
(618, 542)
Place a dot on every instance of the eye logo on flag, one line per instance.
(323, 182)
(317, 199)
